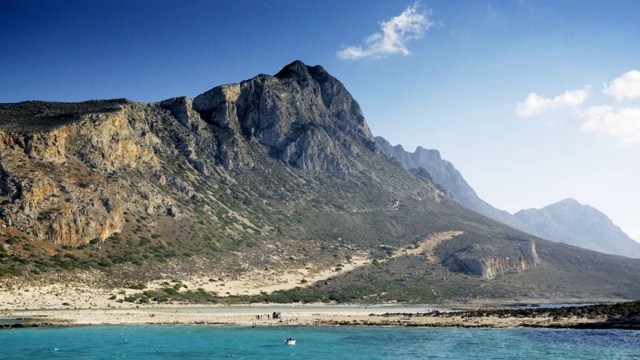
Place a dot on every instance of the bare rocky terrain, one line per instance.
(257, 180)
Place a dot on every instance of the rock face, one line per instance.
(52, 180)
(303, 115)
(570, 222)
(479, 259)
(446, 175)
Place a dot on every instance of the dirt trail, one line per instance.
(428, 245)
(258, 281)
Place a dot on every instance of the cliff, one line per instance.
(479, 259)
(59, 182)
(304, 117)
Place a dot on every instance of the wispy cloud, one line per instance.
(610, 119)
(394, 35)
(626, 86)
(536, 104)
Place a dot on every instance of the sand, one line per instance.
(300, 315)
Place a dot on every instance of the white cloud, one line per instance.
(536, 104)
(609, 118)
(395, 33)
(622, 124)
(626, 86)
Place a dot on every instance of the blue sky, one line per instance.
(533, 101)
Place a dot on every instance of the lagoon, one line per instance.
(320, 342)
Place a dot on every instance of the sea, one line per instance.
(314, 342)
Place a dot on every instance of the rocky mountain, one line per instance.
(570, 222)
(273, 175)
(444, 173)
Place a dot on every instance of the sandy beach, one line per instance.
(293, 315)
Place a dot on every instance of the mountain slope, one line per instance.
(274, 175)
(445, 174)
(570, 222)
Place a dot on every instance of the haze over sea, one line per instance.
(218, 342)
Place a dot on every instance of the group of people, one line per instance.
(274, 315)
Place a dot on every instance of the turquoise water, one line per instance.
(221, 342)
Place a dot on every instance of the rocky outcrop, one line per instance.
(303, 115)
(204, 147)
(488, 262)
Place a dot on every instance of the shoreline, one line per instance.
(261, 315)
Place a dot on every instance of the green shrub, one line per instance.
(11, 241)
(138, 286)
(10, 271)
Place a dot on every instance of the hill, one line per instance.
(273, 176)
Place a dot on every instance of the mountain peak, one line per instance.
(568, 201)
(305, 117)
(299, 70)
(295, 69)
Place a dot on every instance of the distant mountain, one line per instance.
(445, 174)
(570, 222)
(567, 221)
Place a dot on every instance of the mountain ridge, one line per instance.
(445, 174)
